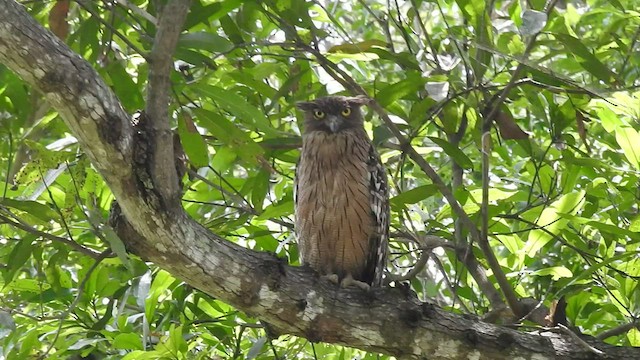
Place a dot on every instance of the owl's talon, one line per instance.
(350, 281)
(333, 278)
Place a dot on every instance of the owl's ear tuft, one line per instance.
(359, 100)
(306, 105)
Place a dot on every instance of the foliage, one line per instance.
(562, 211)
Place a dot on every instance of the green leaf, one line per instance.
(237, 106)
(589, 61)
(117, 246)
(259, 189)
(610, 120)
(192, 142)
(231, 29)
(204, 41)
(458, 156)
(614, 230)
(628, 138)
(556, 272)
(552, 222)
(633, 336)
(85, 342)
(389, 94)
(404, 59)
(512, 243)
(34, 208)
(223, 159)
(283, 208)
(30, 285)
(206, 14)
(413, 196)
(28, 345)
(123, 85)
(145, 355)
(19, 256)
(358, 47)
(160, 283)
(127, 341)
(237, 141)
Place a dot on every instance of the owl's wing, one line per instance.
(379, 196)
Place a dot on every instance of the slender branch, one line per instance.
(579, 341)
(163, 171)
(468, 258)
(28, 228)
(450, 286)
(138, 11)
(89, 9)
(619, 330)
(246, 208)
(425, 33)
(505, 286)
(76, 300)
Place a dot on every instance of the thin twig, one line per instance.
(505, 286)
(74, 245)
(75, 302)
(619, 330)
(138, 11)
(88, 8)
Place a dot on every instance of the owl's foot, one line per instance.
(331, 278)
(350, 281)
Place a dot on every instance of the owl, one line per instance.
(341, 195)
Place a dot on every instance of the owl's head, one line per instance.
(333, 114)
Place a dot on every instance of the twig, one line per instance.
(75, 302)
(580, 342)
(505, 286)
(23, 226)
(450, 286)
(88, 8)
(619, 330)
(138, 11)
(425, 33)
(247, 208)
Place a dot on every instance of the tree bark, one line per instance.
(291, 299)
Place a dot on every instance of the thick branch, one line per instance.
(158, 95)
(290, 299)
(73, 88)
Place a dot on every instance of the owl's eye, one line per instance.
(346, 111)
(318, 114)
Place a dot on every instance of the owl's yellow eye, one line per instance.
(318, 114)
(346, 111)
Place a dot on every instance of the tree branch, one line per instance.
(291, 299)
(163, 172)
(28, 228)
(483, 240)
(624, 328)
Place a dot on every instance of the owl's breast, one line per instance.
(333, 212)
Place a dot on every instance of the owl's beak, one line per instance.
(334, 123)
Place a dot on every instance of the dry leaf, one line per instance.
(582, 131)
(508, 127)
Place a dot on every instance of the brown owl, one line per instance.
(341, 195)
